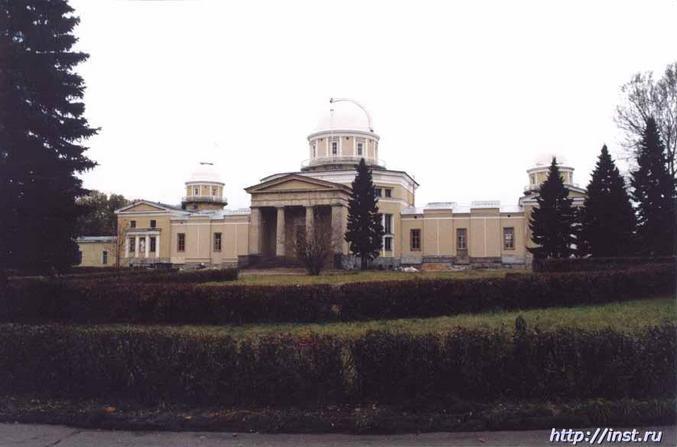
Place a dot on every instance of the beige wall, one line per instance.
(199, 240)
(92, 254)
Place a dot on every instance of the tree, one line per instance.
(607, 217)
(653, 190)
(98, 218)
(315, 248)
(364, 231)
(41, 131)
(552, 221)
(647, 98)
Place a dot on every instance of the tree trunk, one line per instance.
(363, 263)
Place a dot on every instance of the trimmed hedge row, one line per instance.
(127, 302)
(145, 276)
(208, 367)
(596, 264)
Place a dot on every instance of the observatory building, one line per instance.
(202, 231)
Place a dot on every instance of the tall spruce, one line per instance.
(653, 190)
(364, 231)
(607, 217)
(41, 131)
(552, 221)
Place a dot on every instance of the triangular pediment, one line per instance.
(295, 182)
(143, 206)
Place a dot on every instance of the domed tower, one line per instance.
(204, 189)
(342, 137)
(539, 172)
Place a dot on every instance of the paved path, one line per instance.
(28, 435)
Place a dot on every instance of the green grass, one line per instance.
(626, 317)
(299, 278)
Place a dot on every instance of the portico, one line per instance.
(287, 205)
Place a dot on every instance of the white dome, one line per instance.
(545, 159)
(344, 115)
(205, 172)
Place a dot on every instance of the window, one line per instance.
(181, 242)
(532, 179)
(104, 257)
(153, 223)
(360, 147)
(388, 192)
(388, 223)
(215, 190)
(388, 243)
(153, 244)
(217, 241)
(314, 151)
(334, 148)
(196, 191)
(509, 238)
(415, 240)
(132, 224)
(461, 239)
(132, 244)
(378, 192)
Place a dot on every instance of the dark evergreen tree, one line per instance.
(552, 221)
(41, 131)
(607, 217)
(653, 190)
(365, 231)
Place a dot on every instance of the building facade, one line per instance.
(202, 231)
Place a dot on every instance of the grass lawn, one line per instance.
(627, 317)
(299, 277)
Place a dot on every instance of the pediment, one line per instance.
(143, 206)
(295, 182)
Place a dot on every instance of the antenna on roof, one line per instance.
(335, 100)
(206, 163)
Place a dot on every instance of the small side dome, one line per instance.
(544, 159)
(205, 172)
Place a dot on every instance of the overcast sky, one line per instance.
(464, 96)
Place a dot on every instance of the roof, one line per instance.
(89, 239)
(148, 202)
(344, 115)
(205, 172)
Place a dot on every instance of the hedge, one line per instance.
(165, 364)
(596, 264)
(143, 276)
(128, 302)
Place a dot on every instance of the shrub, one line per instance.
(127, 301)
(596, 264)
(486, 364)
(169, 364)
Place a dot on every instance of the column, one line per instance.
(136, 246)
(146, 244)
(310, 220)
(126, 247)
(338, 227)
(255, 231)
(279, 233)
(157, 246)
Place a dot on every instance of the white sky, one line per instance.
(464, 96)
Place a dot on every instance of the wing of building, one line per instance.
(202, 231)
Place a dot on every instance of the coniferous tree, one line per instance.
(552, 221)
(364, 231)
(41, 130)
(607, 217)
(653, 190)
